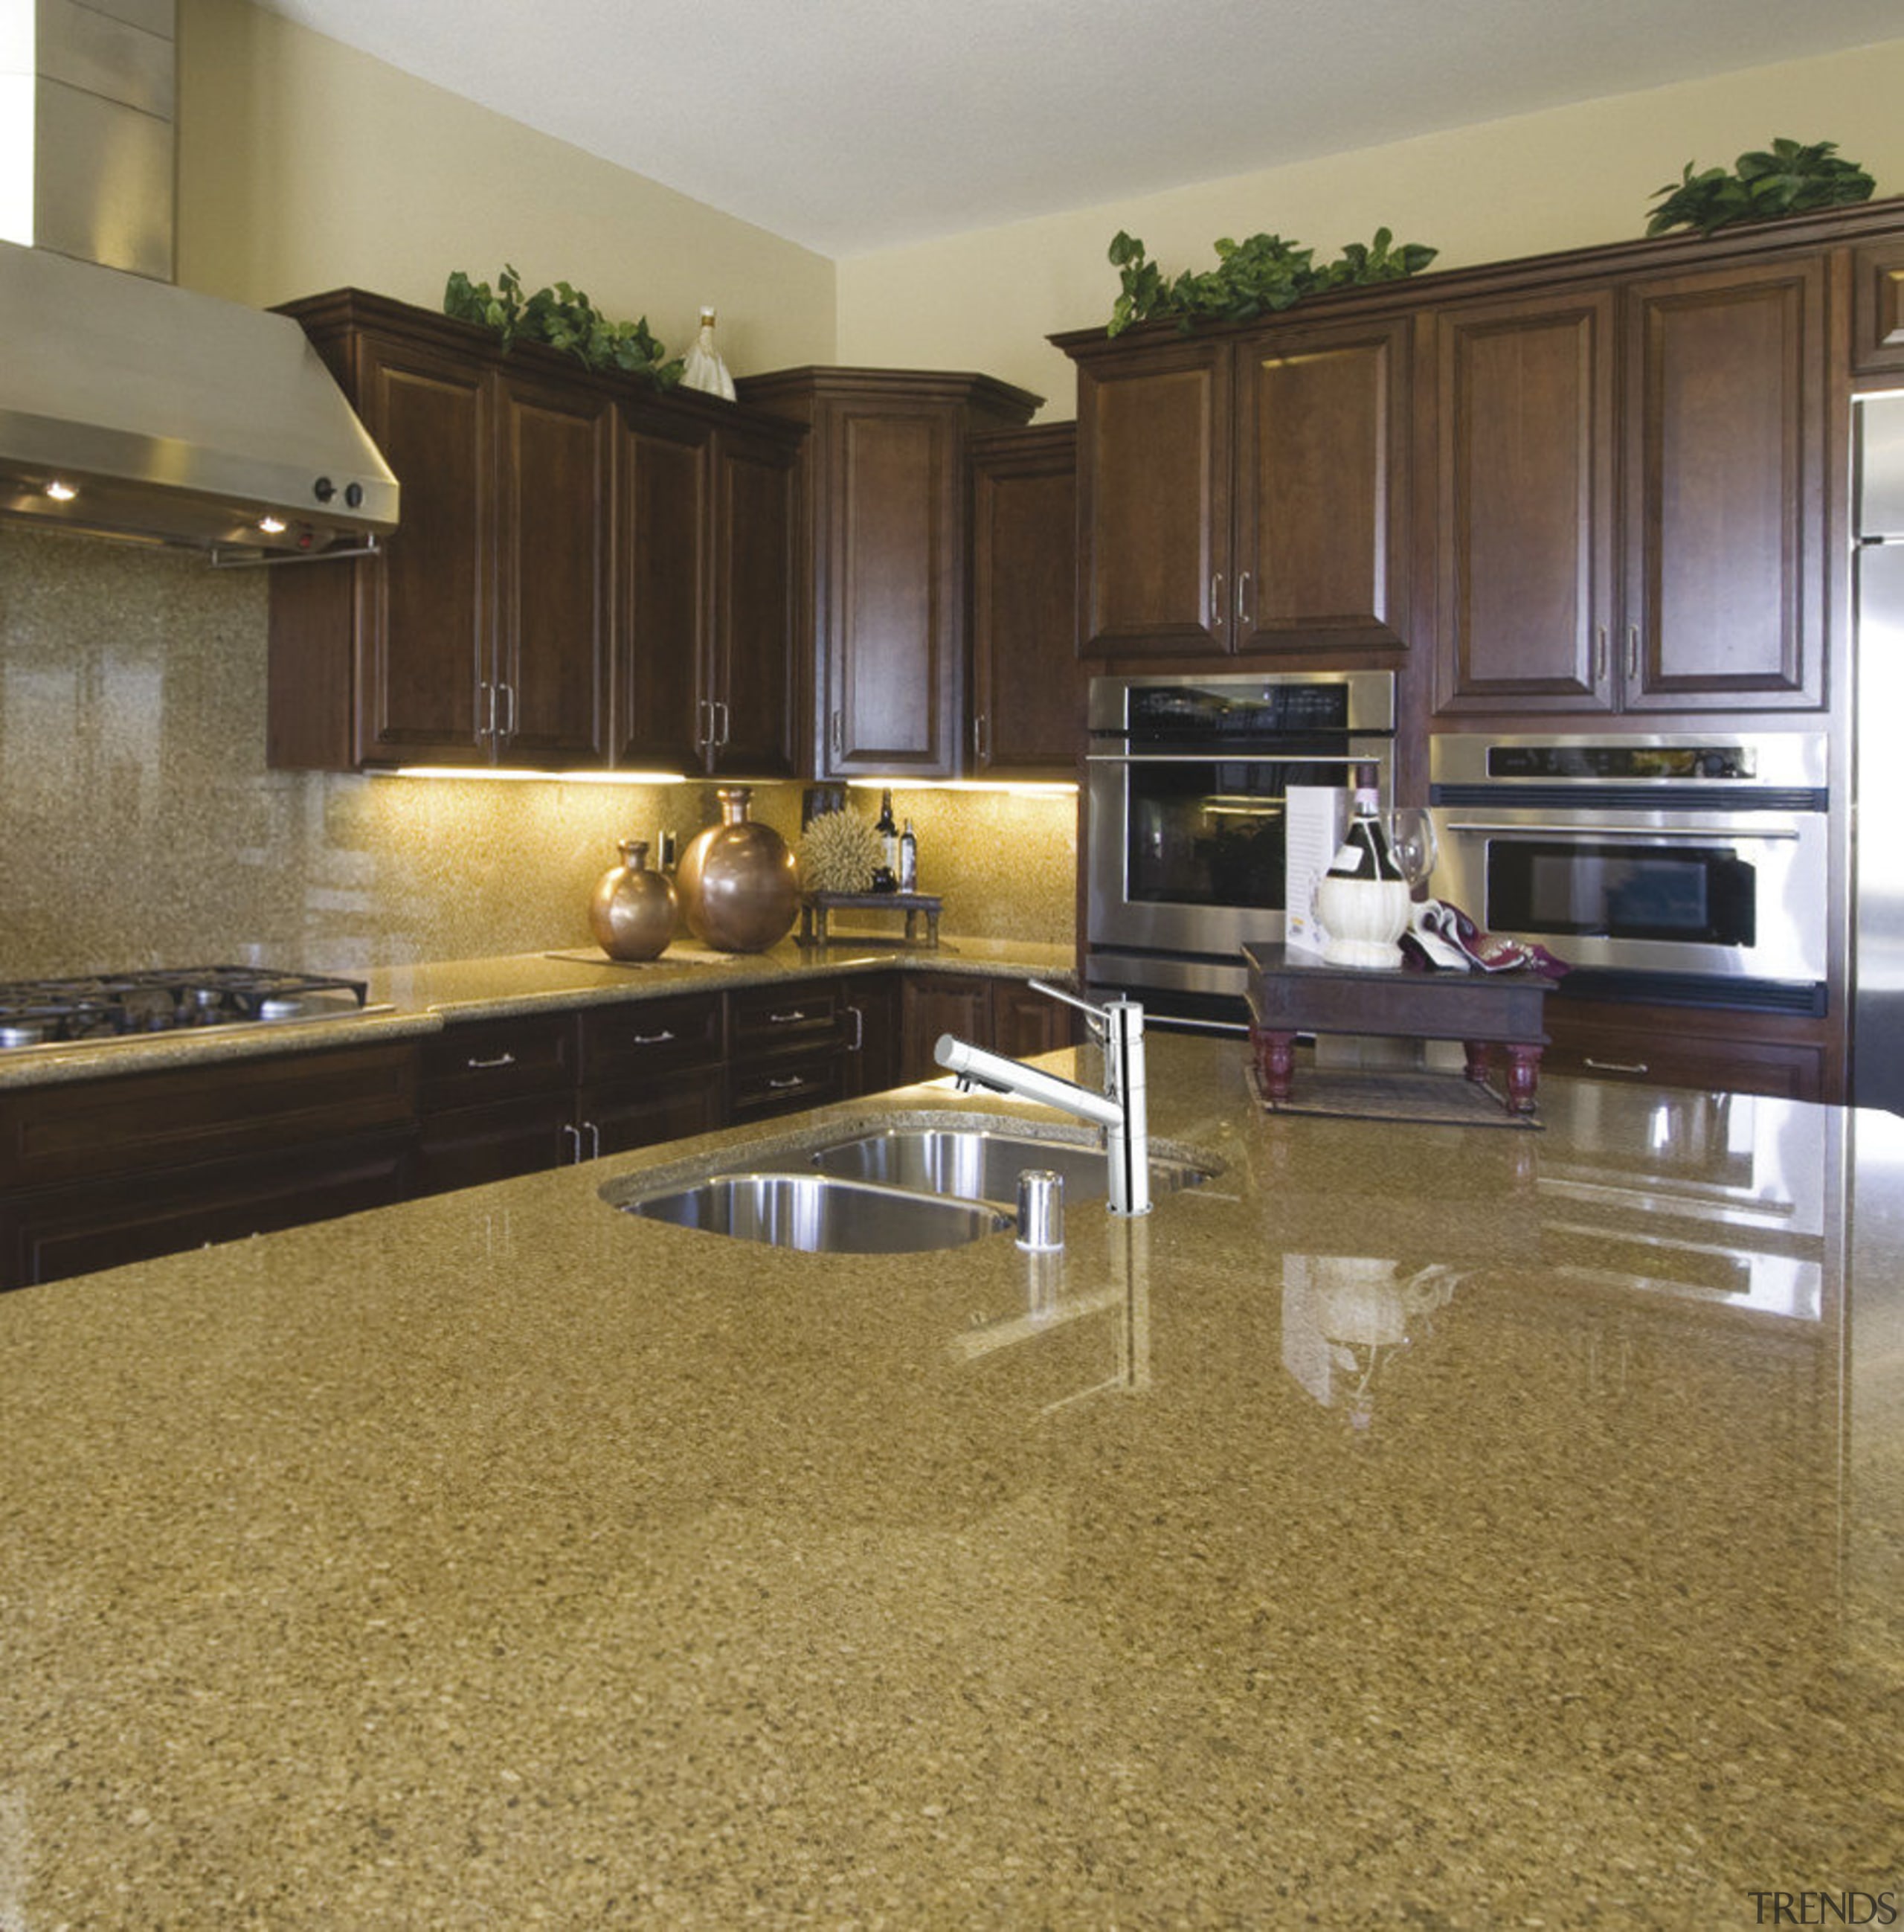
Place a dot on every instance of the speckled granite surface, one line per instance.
(1414, 1525)
(406, 1000)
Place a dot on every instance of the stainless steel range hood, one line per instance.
(129, 407)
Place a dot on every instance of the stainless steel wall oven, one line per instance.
(1185, 780)
(1689, 867)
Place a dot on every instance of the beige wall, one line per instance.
(1570, 177)
(304, 166)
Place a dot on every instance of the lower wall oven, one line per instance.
(1183, 828)
(1689, 868)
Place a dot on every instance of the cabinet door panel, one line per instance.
(616, 1116)
(1028, 683)
(1322, 489)
(660, 665)
(936, 1002)
(1877, 309)
(467, 1146)
(555, 448)
(1154, 503)
(423, 630)
(754, 655)
(1725, 439)
(1524, 511)
(893, 686)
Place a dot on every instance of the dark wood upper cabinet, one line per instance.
(554, 492)
(1245, 495)
(1153, 501)
(883, 556)
(586, 573)
(1877, 309)
(705, 656)
(1724, 482)
(1320, 515)
(1524, 538)
(1028, 683)
(422, 610)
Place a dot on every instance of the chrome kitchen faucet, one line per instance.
(1120, 1109)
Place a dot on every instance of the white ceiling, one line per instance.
(851, 125)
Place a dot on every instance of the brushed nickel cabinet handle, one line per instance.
(787, 1019)
(486, 709)
(725, 716)
(572, 1133)
(1615, 1066)
(857, 1043)
(1243, 599)
(508, 692)
(1633, 653)
(594, 1141)
(485, 1066)
(787, 1083)
(1600, 653)
(653, 1039)
(836, 734)
(1216, 598)
(982, 736)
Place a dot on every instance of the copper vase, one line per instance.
(739, 885)
(633, 912)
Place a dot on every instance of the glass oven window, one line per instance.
(1697, 895)
(1210, 834)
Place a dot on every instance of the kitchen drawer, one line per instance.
(484, 1060)
(758, 1089)
(67, 1231)
(763, 1019)
(614, 1117)
(1678, 1046)
(651, 1037)
(237, 1109)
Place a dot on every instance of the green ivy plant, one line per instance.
(1786, 179)
(563, 318)
(1257, 276)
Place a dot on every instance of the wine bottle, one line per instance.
(1364, 853)
(908, 861)
(888, 829)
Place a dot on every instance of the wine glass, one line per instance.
(1412, 842)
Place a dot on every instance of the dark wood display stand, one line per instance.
(1290, 993)
(815, 907)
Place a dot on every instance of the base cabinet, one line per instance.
(1682, 1046)
(107, 1172)
(1003, 1015)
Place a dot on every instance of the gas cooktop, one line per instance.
(116, 1006)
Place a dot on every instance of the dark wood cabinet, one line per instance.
(1525, 480)
(586, 573)
(705, 656)
(1688, 1046)
(531, 1091)
(546, 699)
(106, 1171)
(1246, 495)
(1724, 442)
(1702, 397)
(1028, 683)
(1878, 308)
(870, 1005)
(1005, 1016)
(883, 556)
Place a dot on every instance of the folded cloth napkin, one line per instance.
(1489, 952)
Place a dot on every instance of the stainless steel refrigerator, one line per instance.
(1877, 1073)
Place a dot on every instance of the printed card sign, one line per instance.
(1315, 818)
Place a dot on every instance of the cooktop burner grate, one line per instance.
(37, 1012)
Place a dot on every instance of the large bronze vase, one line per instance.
(739, 885)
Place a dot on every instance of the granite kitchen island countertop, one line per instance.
(1429, 1525)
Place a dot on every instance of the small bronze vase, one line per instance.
(633, 912)
(739, 885)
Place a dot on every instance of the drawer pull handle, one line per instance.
(1616, 1065)
(786, 1019)
(653, 1038)
(570, 1132)
(787, 1083)
(488, 1065)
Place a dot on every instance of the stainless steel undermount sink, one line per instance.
(819, 1214)
(977, 1164)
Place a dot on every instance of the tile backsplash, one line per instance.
(141, 827)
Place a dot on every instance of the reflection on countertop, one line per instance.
(1411, 1524)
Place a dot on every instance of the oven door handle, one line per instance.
(1623, 835)
(1216, 756)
